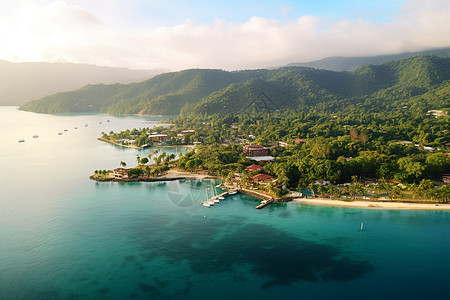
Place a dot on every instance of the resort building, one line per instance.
(446, 178)
(254, 168)
(262, 177)
(119, 173)
(255, 150)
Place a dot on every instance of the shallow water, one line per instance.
(63, 236)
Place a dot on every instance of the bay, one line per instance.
(63, 236)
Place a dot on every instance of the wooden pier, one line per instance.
(266, 199)
(264, 203)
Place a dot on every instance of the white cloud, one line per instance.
(63, 32)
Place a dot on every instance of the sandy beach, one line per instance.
(373, 204)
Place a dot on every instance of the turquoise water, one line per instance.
(63, 236)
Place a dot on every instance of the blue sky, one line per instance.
(173, 12)
(176, 34)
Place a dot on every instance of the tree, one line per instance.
(144, 160)
(123, 164)
(410, 169)
(138, 159)
(426, 188)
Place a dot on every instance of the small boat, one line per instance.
(232, 193)
(75, 128)
(107, 120)
(100, 122)
(66, 129)
(217, 186)
(35, 136)
(216, 200)
(86, 125)
(264, 202)
(59, 133)
(221, 198)
(206, 204)
(21, 141)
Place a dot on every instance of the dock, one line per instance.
(211, 200)
(266, 199)
(264, 203)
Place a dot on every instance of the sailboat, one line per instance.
(205, 203)
(215, 198)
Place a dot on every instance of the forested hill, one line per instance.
(341, 63)
(405, 82)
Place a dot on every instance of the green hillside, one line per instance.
(339, 63)
(390, 85)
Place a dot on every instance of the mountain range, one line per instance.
(21, 82)
(341, 63)
(397, 83)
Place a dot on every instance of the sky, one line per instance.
(230, 35)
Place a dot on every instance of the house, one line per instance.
(262, 177)
(437, 113)
(125, 141)
(255, 150)
(407, 143)
(446, 178)
(322, 182)
(254, 168)
(261, 158)
(158, 137)
(119, 173)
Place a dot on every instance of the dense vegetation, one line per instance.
(415, 81)
(337, 148)
(339, 63)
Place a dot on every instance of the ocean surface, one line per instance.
(63, 236)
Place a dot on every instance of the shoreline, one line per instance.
(171, 175)
(136, 147)
(373, 204)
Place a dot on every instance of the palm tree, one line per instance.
(138, 159)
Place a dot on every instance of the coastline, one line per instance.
(136, 147)
(117, 144)
(171, 175)
(373, 204)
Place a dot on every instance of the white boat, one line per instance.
(216, 200)
(221, 198)
(232, 193)
(217, 186)
(206, 204)
(21, 141)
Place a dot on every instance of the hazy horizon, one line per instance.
(175, 35)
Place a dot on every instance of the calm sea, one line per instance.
(63, 236)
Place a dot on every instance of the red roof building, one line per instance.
(262, 177)
(253, 168)
(255, 150)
